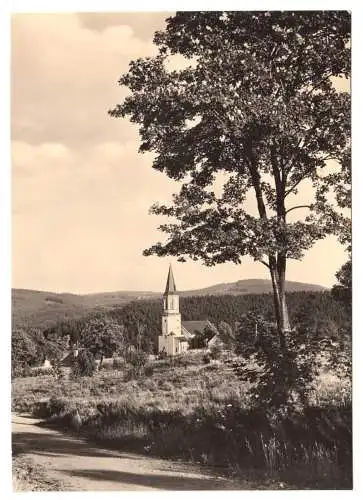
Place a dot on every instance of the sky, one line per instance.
(81, 192)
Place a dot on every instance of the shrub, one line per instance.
(137, 359)
(212, 368)
(162, 354)
(56, 371)
(206, 359)
(118, 364)
(21, 371)
(84, 365)
(149, 370)
(215, 351)
(23, 352)
(39, 371)
(282, 379)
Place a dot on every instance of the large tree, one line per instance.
(102, 336)
(257, 110)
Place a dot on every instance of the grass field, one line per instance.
(201, 412)
(28, 476)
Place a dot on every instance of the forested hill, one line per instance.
(252, 286)
(315, 308)
(32, 308)
(308, 307)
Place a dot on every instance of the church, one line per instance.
(176, 335)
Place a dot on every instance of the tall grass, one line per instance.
(201, 412)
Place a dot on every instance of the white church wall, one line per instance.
(171, 327)
(171, 323)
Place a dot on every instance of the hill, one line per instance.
(252, 286)
(44, 309)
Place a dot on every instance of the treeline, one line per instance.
(138, 324)
(141, 319)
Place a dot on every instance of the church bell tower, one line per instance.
(171, 319)
(171, 340)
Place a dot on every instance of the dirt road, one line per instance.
(81, 466)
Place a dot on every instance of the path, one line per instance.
(81, 466)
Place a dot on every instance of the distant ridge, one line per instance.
(249, 286)
(43, 309)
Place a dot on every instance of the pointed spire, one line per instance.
(170, 284)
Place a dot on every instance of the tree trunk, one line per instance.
(278, 308)
(276, 264)
(281, 271)
(280, 260)
(278, 272)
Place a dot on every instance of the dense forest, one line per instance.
(318, 310)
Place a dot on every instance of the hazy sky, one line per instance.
(80, 190)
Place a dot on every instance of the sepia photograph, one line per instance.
(181, 247)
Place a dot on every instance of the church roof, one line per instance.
(195, 327)
(170, 284)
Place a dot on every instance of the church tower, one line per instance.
(171, 339)
(171, 319)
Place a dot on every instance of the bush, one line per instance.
(21, 371)
(118, 364)
(206, 359)
(23, 351)
(137, 359)
(131, 373)
(282, 379)
(39, 371)
(149, 370)
(57, 371)
(162, 354)
(84, 365)
(215, 351)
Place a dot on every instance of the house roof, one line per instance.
(68, 357)
(192, 328)
(170, 283)
(215, 340)
(221, 337)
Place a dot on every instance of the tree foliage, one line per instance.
(83, 365)
(102, 336)
(29, 347)
(23, 350)
(257, 111)
(343, 290)
(281, 382)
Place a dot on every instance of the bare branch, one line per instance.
(264, 263)
(305, 176)
(297, 206)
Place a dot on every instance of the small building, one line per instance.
(224, 338)
(69, 357)
(198, 333)
(46, 363)
(216, 341)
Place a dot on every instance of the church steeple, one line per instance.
(171, 312)
(170, 288)
(171, 340)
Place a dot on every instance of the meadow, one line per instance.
(189, 409)
(29, 476)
